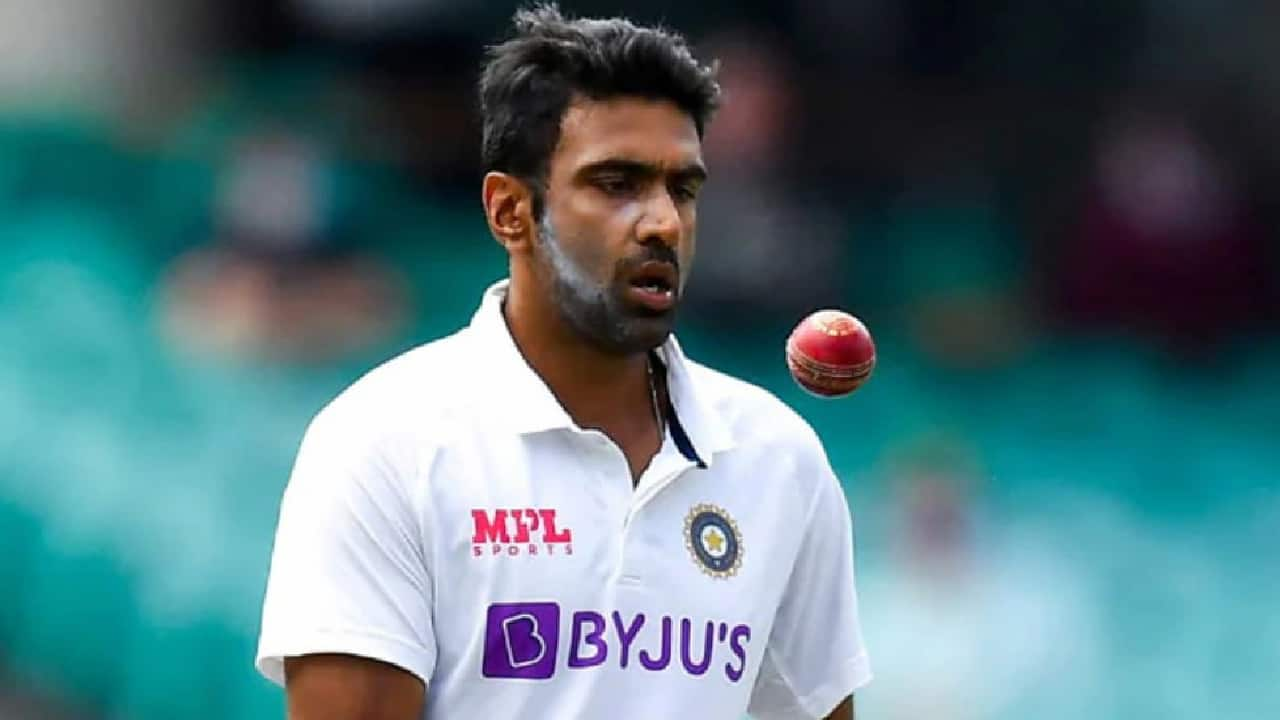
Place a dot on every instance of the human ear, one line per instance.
(508, 208)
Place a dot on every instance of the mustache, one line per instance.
(652, 252)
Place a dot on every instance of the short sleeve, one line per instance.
(815, 657)
(348, 569)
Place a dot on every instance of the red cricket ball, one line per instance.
(830, 353)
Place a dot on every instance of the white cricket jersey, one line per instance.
(445, 515)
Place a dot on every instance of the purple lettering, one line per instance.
(664, 659)
(627, 635)
(591, 638)
(737, 643)
(686, 642)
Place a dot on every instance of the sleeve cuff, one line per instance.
(852, 675)
(407, 656)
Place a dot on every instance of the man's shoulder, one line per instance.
(753, 413)
(767, 433)
(420, 388)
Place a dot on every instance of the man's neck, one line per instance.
(597, 389)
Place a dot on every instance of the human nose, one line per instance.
(661, 220)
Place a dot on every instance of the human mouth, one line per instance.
(653, 285)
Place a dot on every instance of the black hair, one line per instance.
(529, 81)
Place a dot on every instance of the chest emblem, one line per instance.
(513, 532)
(713, 540)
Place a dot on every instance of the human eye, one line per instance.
(615, 184)
(686, 191)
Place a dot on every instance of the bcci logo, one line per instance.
(714, 540)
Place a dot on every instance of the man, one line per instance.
(553, 513)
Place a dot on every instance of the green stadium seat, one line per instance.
(177, 667)
(19, 536)
(66, 158)
(76, 619)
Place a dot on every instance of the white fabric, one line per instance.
(446, 516)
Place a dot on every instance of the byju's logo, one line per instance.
(522, 640)
(520, 531)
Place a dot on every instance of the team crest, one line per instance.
(714, 540)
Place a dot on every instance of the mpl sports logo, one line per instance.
(522, 641)
(518, 531)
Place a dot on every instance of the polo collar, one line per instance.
(525, 404)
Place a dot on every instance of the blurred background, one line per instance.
(1059, 219)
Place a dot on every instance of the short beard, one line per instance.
(594, 310)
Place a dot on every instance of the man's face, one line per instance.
(616, 241)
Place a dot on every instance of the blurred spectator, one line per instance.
(1166, 245)
(950, 260)
(277, 281)
(972, 619)
(98, 54)
(764, 245)
(413, 116)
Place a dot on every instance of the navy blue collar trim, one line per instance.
(681, 438)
